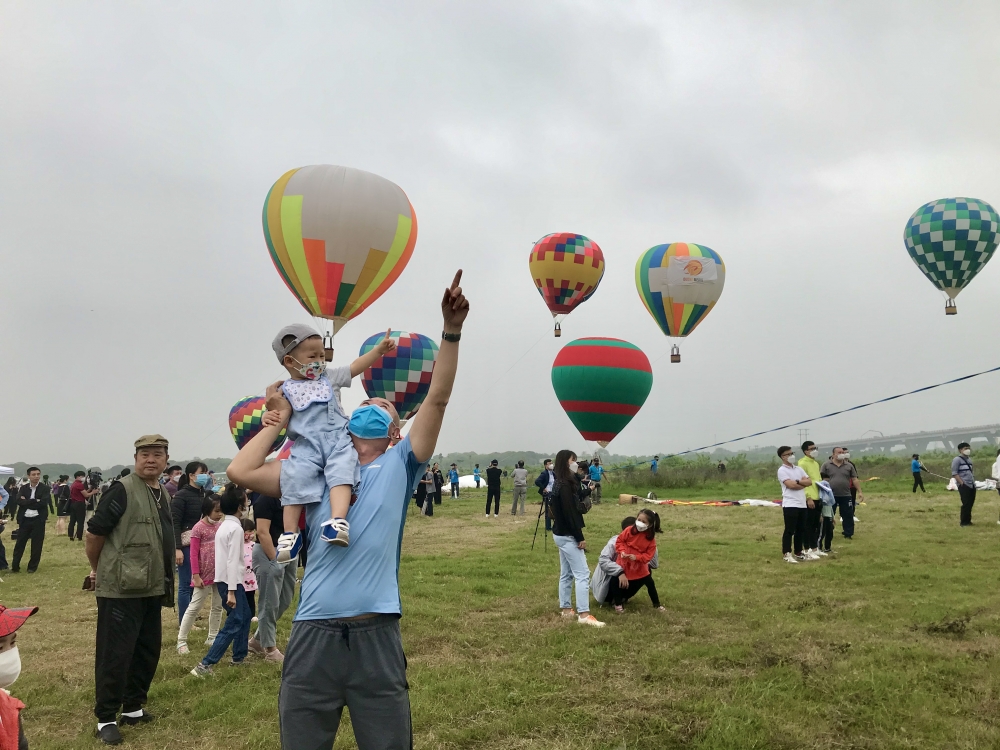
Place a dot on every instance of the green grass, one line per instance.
(895, 643)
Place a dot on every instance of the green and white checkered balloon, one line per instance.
(951, 239)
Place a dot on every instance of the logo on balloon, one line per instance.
(693, 268)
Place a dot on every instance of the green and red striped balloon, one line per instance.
(601, 383)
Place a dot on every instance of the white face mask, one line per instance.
(790, 459)
(812, 453)
(10, 667)
(573, 466)
(844, 456)
(639, 525)
(966, 452)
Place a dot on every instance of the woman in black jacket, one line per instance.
(185, 507)
(567, 533)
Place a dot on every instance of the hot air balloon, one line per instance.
(601, 383)
(244, 421)
(402, 376)
(950, 240)
(566, 268)
(339, 237)
(679, 284)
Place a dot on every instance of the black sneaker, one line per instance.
(109, 734)
(133, 720)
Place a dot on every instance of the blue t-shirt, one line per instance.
(914, 466)
(453, 476)
(596, 473)
(364, 577)
(475, 472)
(652, 465)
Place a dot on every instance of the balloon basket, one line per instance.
(558, 331)
(628, 499)
(675, 354)
(949, 308)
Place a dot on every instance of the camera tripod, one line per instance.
(545, 532)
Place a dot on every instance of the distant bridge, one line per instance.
(922, 442)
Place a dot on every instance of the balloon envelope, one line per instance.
(601, 383)
(951, 240)
(679, 284)
(402, 376)
(567, 269)
(244, 421)
(338, 236)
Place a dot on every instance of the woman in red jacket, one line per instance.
(635, 547)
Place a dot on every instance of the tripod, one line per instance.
(545, 532)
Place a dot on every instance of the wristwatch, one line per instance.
(453, 337)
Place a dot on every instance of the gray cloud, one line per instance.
(140, 142)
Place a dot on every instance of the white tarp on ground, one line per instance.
(5, 470)
(468, 481)
(989, 484)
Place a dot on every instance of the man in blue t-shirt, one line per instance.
(596, 475)
(453, 478)
(916, 467)
(654, 464)
(345, 648)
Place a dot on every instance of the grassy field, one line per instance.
(893, 643)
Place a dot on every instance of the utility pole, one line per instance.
(803, 434)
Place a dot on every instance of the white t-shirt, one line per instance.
(792, 498)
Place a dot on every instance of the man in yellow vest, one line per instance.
(130, 546)
(814, 509)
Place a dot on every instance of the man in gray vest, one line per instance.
(130, 546)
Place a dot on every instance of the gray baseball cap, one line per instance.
(300, 331)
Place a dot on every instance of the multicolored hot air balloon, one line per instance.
(679, 284)
(339, 237)
(567, 269)
(601, 383)
(244, 421)
(951, 240)
(402, 376)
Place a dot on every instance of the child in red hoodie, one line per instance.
(11, 732)
(635, 547)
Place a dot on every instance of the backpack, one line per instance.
(583, 501)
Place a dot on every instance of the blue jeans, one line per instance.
(236, 630)
(184, 590)
(846, 506)
(573, 566)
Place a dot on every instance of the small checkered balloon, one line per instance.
(402, 376)
(244, 421)
(951, 240)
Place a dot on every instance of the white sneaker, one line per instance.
(335, 531)
(820, 552)
(589, 619)
(857, 520)
(790, 558)
(810, 555)
(288, 548)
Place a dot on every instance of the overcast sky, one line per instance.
(140, 139)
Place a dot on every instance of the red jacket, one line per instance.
(10, 710)
(632, 542)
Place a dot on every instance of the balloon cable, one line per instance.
(546, 332)
(835, 413)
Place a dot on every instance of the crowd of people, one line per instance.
(163, 533)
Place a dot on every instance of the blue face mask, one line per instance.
(369, 422)
(203, 480)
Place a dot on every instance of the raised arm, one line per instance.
(365, 361)
(248, 469)
(427, 422)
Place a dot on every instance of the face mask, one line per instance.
(641, 526)
(573, 466)
(845, 456)
(369, 422)
(312, 370)
(10, 667)
(790, 459)
(209, 520)
(812, 454)
(966, 452)
(203, 480)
